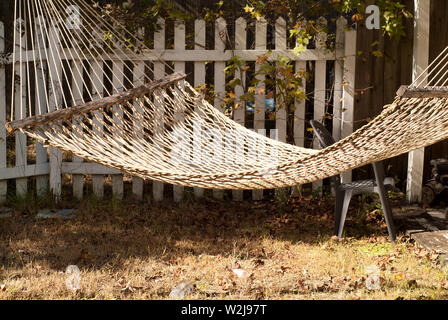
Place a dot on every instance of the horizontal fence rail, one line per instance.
(22, 158)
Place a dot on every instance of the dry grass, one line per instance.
(141, 251)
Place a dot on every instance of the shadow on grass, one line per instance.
(109, 232)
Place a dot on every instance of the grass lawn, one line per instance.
(142, 251)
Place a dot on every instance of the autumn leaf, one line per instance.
(262, 59)
(377, 53)
(248, 9)
(357, 17)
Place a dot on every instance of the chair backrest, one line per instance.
(325, 139)
(322, 134)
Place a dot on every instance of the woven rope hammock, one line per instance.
(155, 126)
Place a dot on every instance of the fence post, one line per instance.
(199, 79)
(348, 90)
(220, 80)
(159, 71)
(416, 158)
(240, 112)
(41, 105)
(260, 96)
(20, 101)
(55, 95)
(3, 183)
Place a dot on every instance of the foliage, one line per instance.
(392, 12)
(280, 81)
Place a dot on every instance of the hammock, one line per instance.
(156, 126)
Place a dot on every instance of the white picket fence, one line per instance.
(48, 169)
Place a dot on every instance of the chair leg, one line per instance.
(338, 210)
(385, 204)
(346, 203)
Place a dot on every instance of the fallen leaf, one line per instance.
(334, 238)
(243, 274)
(258, 262)
(398, 277)
(445, 285)
(412, 283)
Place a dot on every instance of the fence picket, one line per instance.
(260, 96)
(20, 100)
(117, 82)
(55, 101)
(98, 92)
(281, 116)
(320, 88)
(199, 79)
(159, 71)
(139, 78)
(338, 71)
(41, 71)
(3, 163)
(239, 114)
(299, 110)
(77, 88)
(348, 90)
(220, 83)
(179, 45)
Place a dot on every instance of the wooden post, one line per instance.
(260, 96)
(20, 100)
(199, 79)
(240, 113)
(220, 84)
(41, 105)
(55, 100)
(159, 71)
(3, 163)
(320, 87)
(348, 90)
(416, 159)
